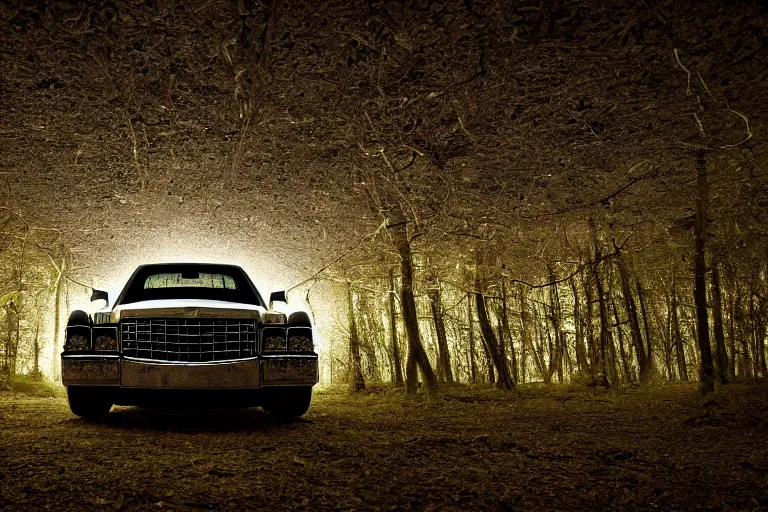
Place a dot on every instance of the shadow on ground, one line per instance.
(191, 420)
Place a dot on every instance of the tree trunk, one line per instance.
(58, 290)
(706, 372)
(693, 347)
(490, 340)
(524, 333)
(36, 349)
(491, 343)
(745, 369)
(14, 310)
(613, 361)
(731, 326)
(550, 369)
(757, 324)
(760, 338)
(506, 331)
(593, 349)
(6, 374)
(416, 353)
(626, 366)
(556, 357)
(682, 367)
(393, 331)
(634, 322)
(721, 356)
(582, 363)
(537, 345)
(753, 335)
(444, 362)
(14, 332)
(666, 335)
(36, 344)
(471, 331)
(502, 348)
(646, 327)
(356, 379)
(489, 365)
(603, 318)
(369, 332)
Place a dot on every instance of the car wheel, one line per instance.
(89, 402)
(288, 402)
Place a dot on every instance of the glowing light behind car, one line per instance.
(192, 244)
(195, 242)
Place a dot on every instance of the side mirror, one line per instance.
(277, 297)
(99, 295)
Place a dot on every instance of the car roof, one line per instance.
(189, 264)
(149, 268)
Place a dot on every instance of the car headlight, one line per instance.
(273, 339)
(76, 342)
(300, 339)
(78, 338)
(105, 339)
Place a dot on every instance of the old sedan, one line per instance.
(189, 335)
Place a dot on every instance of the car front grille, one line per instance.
(189, 339)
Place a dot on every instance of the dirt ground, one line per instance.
(535, 449)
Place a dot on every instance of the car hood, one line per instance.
(187, 308)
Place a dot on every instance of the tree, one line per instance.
(397, 227)
(721, 355)
(444, 358)
(398, 369)
(356, 379)
(503, 380)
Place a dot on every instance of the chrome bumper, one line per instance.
(88, 370)
(253, 373)
(241, 374)
(289, 370)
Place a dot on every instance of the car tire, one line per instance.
(89, 402)
(287, 402)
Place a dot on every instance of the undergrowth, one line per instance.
(36, 387)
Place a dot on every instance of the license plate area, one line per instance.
(222, 375)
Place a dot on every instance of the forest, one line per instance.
(484, 192)
(531, 235)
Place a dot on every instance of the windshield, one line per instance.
(190, 281)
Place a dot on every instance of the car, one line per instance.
(189, 335)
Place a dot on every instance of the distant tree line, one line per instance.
(600, 314)
(34, 296)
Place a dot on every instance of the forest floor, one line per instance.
(470, 449)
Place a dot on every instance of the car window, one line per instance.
(170, 281)
(193, 280)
